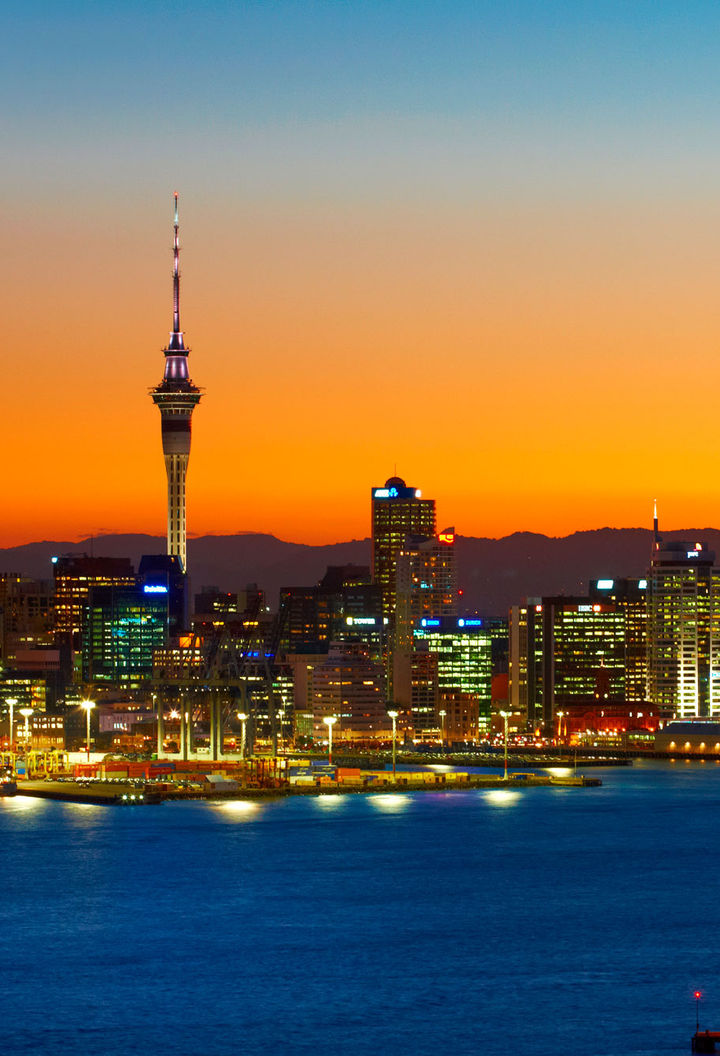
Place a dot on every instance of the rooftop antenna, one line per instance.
(656, 534)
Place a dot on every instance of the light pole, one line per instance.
(698, 995)
(393, 715)
(88, 706)
(330, 721)
(505, 715)
(26, 713)
(243, 720)
(560, 715)
(442, 715)
(11, 702)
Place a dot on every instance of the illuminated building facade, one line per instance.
(75, 576)
(350, 686)
(397, 512)
(684, 629)
(176, 397)
(462, 650)
(425, 588)
(575, 651)
(122, 628)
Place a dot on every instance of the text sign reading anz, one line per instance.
(385, 493)
(154, 588)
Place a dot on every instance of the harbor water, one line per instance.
(544, 921)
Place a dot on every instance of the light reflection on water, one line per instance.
(501, 797)
(385, 923)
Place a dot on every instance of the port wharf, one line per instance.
(223, 786)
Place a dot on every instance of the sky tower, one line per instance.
(176, 397)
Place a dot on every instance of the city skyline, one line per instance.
(474, 247)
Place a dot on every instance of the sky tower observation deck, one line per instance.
(176, 396)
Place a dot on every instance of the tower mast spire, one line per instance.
(176, 273)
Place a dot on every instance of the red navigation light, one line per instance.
(698, 995)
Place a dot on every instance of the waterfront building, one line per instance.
(397, 512)
(462, 651)
(349, 685)
(570, 652)
(176, 397)
(684, 629)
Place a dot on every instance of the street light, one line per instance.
(11, 702)
(393, 715)
(243, 719)
(505, 715)
(442, 715)
(26, 713)
(330, 721)
(88, 706)
(560, 715)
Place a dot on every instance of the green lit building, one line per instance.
(121, 628)
(462, 649)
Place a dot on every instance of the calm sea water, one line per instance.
(544, 921)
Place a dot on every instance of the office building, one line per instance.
(684, 629)
(397, 512)
(426, 589)
(350, 686)
(75, 576)
(574, 651)
(122, 628)
(462, 650)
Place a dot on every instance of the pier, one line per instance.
(128, 793)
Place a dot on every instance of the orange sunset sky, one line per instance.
(483, 248)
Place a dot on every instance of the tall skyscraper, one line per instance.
(176, 396)
(684, 629)
(397, 512)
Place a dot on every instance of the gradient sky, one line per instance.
(479, 242)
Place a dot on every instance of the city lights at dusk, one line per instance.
(360, 580)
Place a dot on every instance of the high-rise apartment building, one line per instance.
(350, 686)
(397, 512)
(684, 629)
(177, 397)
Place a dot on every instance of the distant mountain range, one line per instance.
(494, 573)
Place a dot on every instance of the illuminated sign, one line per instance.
(642, 584)
(584, 608)
(385, 493)
(692, 553)
(605, 584)
(447, 537)
(153, 588)
(54, 560)
(430, 623)
(365, 621)
(469, 622)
